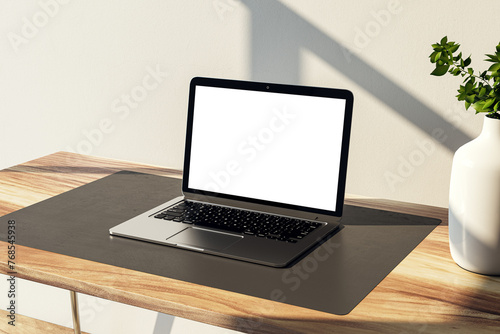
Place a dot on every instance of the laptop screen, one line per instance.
(273, 144)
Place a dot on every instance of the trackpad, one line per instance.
(203, 239)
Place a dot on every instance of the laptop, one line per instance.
(264, 172)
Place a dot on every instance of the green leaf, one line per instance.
(454, 48)
(432, 56)
(440, 70)
(482, 92)
(467, 105)
(494, 67)
(470, 98)
(498, 47)
(488, 103)
(444, 40)
(467, 61)
(458, 57)
(478, 106)
(493, 58)
(437, 56)
(470, 84)
(496, 106)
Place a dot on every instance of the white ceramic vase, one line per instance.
(474, 207)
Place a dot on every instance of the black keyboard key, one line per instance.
(174, 213)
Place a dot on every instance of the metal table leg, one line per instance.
(74, 312)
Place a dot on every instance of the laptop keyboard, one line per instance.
(253, 223)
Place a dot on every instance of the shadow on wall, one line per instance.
(278, 35)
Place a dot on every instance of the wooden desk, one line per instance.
(426, 293)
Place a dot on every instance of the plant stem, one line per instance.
(462, 70)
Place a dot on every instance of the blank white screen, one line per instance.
(270, 146)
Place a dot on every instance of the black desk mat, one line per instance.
(332, 278)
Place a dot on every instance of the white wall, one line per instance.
(68, 67)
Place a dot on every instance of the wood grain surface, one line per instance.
(426, 293)
(27, 325)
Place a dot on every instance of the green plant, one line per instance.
(481, 91)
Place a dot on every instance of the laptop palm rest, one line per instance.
(200, 239)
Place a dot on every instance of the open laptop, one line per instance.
(264, 172)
